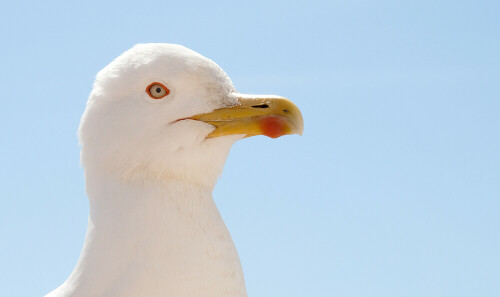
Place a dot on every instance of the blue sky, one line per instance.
(394, 189)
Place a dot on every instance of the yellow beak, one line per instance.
(269, 115)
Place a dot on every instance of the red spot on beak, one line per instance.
(272, 126)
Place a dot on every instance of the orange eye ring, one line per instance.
(157, 90)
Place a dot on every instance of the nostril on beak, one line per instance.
(260, 106)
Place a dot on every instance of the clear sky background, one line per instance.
(394, 189)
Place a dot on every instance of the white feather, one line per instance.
(154, 229)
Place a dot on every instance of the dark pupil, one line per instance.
(158, 90)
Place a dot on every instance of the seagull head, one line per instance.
(163, 111)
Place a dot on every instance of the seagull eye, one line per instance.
(157, 91)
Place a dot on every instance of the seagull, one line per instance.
(157, 128)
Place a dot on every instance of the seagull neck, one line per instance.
(115, 199)
(155, 240)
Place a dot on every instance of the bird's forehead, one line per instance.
(163, 61)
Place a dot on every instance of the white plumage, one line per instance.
(150, 168)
